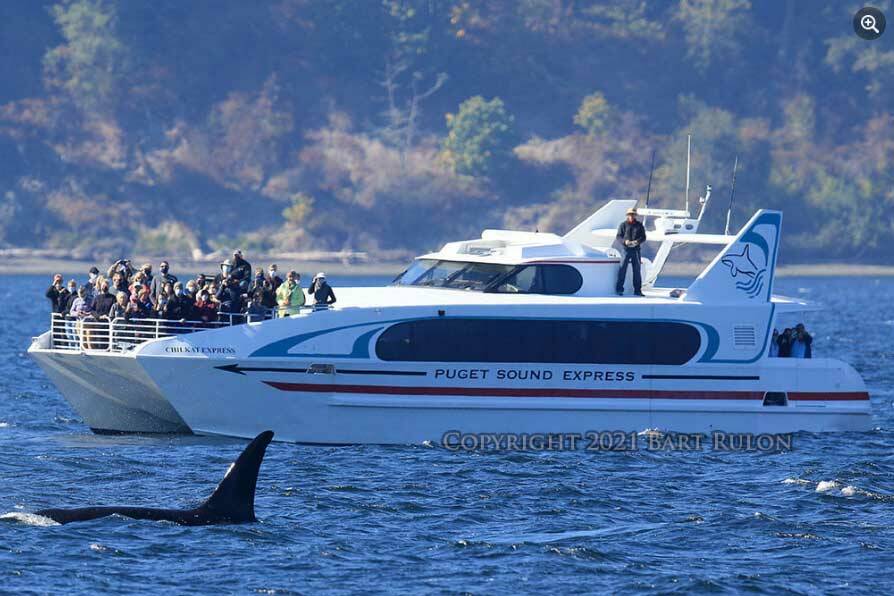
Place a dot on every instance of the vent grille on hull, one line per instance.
(744, 336)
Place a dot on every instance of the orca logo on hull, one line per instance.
(749, 277)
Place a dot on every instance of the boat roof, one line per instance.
(742, 272)
(509, 247)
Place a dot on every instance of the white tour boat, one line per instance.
(514, 332)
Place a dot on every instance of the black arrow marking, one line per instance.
(402, 373)
(241, 370)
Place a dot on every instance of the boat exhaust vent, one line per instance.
(744, 336)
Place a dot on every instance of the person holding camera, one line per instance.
(57, 295)
(230, 297)
(632, 234)
(802, 342)
(123, 267)
(321, 291)
(241, 271)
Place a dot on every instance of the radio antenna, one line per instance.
(651, 170)
(732, 192)
(649, 187)
(688, 153)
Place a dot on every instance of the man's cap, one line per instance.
(93, 270)
(57, 276)
(293, 273)
(320, 275)
(227, 263)
(631, 211)
(237, 252)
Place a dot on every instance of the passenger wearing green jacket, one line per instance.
(290, 297)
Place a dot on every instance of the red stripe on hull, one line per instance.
(549, 392)
(842, 396)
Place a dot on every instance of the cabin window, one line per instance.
(413, 272)
(539, 341)
(540, 279)
(458, 275)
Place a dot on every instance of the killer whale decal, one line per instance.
(749, 276)
(741, 264)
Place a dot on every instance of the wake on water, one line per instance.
(838, 489)
(31, 519)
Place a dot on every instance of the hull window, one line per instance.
(775, 398)
(539, 340)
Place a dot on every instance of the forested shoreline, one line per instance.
(380, 125)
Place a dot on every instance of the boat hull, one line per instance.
(110, 391)
(386, 406)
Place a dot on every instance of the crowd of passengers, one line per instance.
(236, 294)
(791, 343)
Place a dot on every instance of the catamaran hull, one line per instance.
(164, 387)
(110, 391)
(376, 405)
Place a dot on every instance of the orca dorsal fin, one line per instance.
(234, 498)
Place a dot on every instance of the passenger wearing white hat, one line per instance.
(321, 291)
(632, 234)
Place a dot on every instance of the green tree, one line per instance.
(593, 114)
(480, 138)
(90, 65)
(713, 29)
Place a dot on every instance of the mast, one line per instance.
(732, 192)
(688, 154)
(651, 170)
(649, 187)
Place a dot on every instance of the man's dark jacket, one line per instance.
(632, 231)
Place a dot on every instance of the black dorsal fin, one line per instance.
(234, 498)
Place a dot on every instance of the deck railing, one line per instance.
(120, 334)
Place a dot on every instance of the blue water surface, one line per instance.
(418, 519)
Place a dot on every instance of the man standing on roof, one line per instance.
(632, 234)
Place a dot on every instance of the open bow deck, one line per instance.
(511, 333)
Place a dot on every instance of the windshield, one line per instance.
(451, 274)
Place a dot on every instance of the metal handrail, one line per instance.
(119, 334)
(122, 334)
